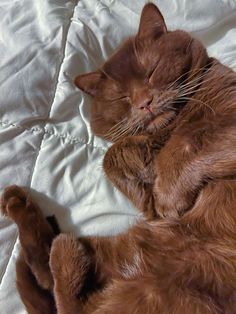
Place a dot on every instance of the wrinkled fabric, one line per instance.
(46, 142)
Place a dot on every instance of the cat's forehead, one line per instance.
(122, 52)
(124, 63)
(127, 60)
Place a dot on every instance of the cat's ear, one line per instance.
(199, 60)
(199, 57)
(89, 82)
(151, 23)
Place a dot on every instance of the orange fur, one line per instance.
(171, 111)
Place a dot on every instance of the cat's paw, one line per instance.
(171, 203)
(130, 158)
(69, 264)
(13, 200)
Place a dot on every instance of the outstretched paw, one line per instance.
(69, 264)
(13, 200)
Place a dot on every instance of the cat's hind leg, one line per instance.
(36, 299)
(72, 270)
(143, 296)
(35, 233)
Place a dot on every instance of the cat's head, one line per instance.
(142, 86)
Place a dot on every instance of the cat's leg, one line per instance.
(129, 166)
(144, 295)
(129, 289)
(71, 267)
(35, 299)
(82, 266)
(125, 297)
(35, 233)
(189, 161)
(133, 293)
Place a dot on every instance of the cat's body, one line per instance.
(171, 111)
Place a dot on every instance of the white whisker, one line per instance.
(200, 102)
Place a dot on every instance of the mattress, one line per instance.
(46, 143)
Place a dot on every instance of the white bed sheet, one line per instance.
(45, 139)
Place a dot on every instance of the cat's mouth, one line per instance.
(159, 121)
(161, 115)
(162, 110)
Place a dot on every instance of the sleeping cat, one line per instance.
(171, 112)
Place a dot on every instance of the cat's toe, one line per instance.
(169, 206)
(12, 199)
(164, 212)
(69, 263)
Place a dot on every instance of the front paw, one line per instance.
(171, 203)
(131, 158)
(69, 264)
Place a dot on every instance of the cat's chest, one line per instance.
(189, 140)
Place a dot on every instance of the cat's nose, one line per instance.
(144, 103)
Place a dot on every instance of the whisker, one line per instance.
(194, 75)
(198, 101)
(192, 87)
(194, 82)
(118, 124)
(190, 92)
(121, 131)
(128, 130)
(201, 76)
(185, 73)
(117, 127)
(136, 130)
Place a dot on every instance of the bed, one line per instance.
(46, 143)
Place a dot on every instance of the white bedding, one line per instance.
(46, 142)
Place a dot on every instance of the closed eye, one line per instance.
(150, 73)
(126, 98)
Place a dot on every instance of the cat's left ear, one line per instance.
(199, 56)
(152, 23)
(89, 82)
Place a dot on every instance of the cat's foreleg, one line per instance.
(184, 167)
(177, 185)
(128, 164)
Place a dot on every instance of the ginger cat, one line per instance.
(170, 110)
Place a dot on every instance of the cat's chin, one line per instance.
(161, 121)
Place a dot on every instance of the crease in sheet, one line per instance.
(64, 40)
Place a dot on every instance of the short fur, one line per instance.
(171, 111)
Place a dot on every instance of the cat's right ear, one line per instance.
(152, 23)
(89, 82)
